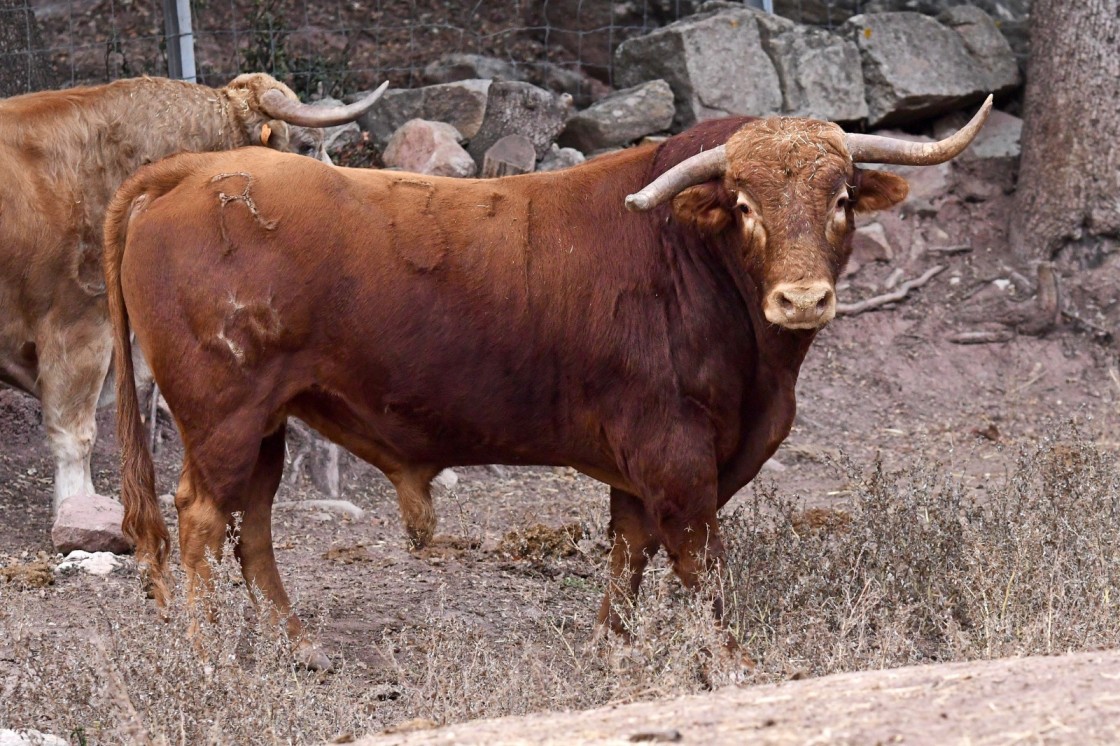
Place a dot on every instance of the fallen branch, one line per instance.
(851, 309)
(957, 249)
(982, 337)
(342, 507)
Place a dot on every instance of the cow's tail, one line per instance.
(143, 522)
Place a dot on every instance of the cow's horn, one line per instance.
(696, 170)
(278, 106)
(879, 149)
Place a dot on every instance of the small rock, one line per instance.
(621, 117)
(511, 155)
(29, 737)
(447, 479)
(94, 563)
(557, 158)
(869, 244)
(429, 148)
(90, 522)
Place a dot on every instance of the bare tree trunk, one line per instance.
(24, 66)
(1069, 178)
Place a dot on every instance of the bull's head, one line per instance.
(788, 189)
(272, 114)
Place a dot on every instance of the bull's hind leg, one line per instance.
(414, 498)
(634, 542)
(255, 551)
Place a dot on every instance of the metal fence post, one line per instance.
(180, 39)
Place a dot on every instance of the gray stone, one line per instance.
(915, 67)
(523, 109)
(621, 118)
(461, 104)
(990, 51)
(869, 244)
(91, 523)
(583, 89)
(819, 72)
(429, 148)
(999, 139)
(714, 62)
(337, 138)
(509, 156)
(454, 67)
(557, 158)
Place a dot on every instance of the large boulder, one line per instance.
(819, 72)
(521, 109)
(621, 118)
(462, 104)
(915, 67)
(428, 148)
(713, 61)
(451, 68)
(590, 31)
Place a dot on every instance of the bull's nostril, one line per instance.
(823, 304)
(786, 305)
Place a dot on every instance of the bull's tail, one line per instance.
(143, 522)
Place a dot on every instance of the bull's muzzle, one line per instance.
(801, 305)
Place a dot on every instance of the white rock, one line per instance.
(94, 563)
(447, 479)
(29, 737)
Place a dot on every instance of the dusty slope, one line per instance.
(1072, 699)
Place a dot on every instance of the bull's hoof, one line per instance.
(91, 523)
(312, 657)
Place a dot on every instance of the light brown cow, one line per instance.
(62, 155)
(424, 322)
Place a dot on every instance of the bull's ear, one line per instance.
(879, 190)
(706, 207)
(273, 134)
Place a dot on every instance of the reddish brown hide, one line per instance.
(423, 323)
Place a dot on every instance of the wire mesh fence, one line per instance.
(342, 45)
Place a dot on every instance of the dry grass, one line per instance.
(915, 568)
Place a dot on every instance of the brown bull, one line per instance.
(62, 156)
(423, 323)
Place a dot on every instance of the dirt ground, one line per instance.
(887, 384)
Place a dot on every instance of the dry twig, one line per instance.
(869, 304)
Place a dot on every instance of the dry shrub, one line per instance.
(919, 570)
(456, 669)
(915, 567)
(135, 678)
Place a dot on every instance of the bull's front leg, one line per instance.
(73, 362)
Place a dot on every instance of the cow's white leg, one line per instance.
(73, 364)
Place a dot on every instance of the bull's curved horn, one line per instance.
(879, 149)
(695, 170)
(278, 106)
